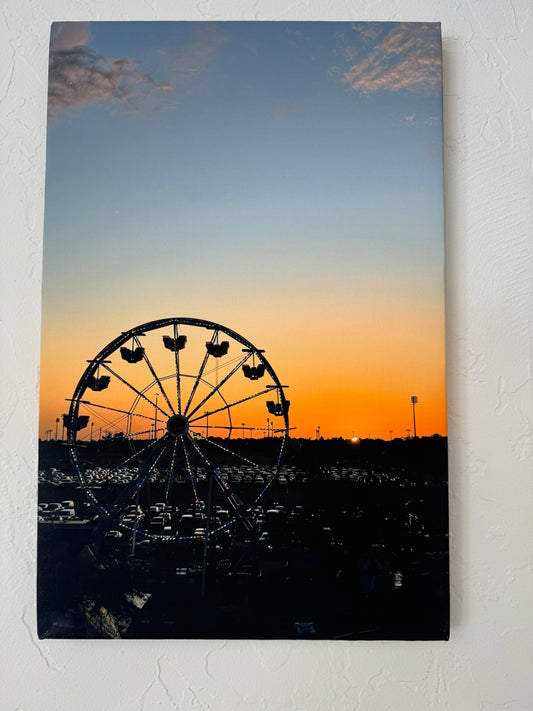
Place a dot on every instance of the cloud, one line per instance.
(405, 57)
(192, 58)
(79, 78)
(66, 35)
(368, 30)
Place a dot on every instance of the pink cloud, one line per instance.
(79, 78)
(407, 57)
(368, 30)
(66, 35)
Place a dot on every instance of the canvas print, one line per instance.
(242, 391)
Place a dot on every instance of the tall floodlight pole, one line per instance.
(92, 425)
(57, 423)
(414, 400)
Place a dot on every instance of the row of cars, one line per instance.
(159, 518)
(60, 511)
(242, 475)
(192, 520)
(55, 477)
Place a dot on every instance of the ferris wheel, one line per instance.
(179, 405)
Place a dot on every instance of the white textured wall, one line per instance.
(487, 665)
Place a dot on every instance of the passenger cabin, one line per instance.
(253, 372)
(217, 350)
(81, 422)
(175, 344)
(98, 384)
(276, 408)
(132, 356)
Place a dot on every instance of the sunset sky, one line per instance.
(282, 179)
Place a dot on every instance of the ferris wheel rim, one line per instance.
(133, 333)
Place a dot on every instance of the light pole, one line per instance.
(57, 423)
(92, 425)
(390, 435)
(414, 400)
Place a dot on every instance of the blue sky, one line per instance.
(255, 134)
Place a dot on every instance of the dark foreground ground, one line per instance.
(349, 558)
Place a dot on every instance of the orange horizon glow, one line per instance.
(341, 380)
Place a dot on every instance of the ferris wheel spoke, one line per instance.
(227, 363)
(113, 424)
(150, 432)
(217, 388)
(233, 404)
(227, 427)
(132, 387)
(236, 503)
(210, 468)
(189, 468)
(154, 374)
(172, 468)
(276, 472)
(229, 451)
(196, 429)
(136, 484)
(129, 413)
(200, 373)
(178, 375)
(132, 457)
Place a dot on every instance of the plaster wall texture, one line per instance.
(486, 666)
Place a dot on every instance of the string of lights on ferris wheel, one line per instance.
(186, 427)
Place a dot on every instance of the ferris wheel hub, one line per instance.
(177, 425)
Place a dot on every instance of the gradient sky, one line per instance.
(283, 179)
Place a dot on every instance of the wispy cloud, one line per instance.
(192, 58)
(406, 56)
(79, 78)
